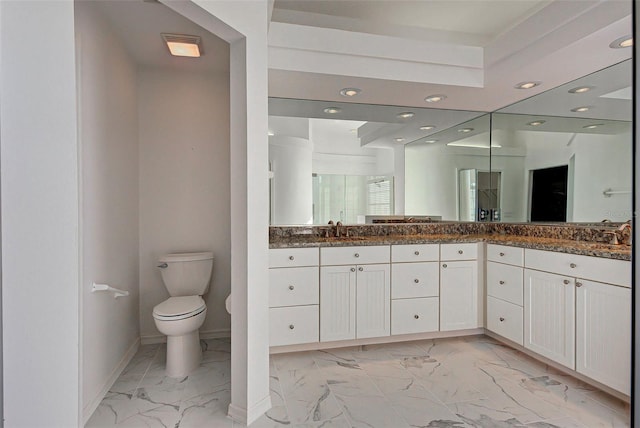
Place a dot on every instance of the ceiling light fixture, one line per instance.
(398, 139)
(527, 85)
(430, 141)
(592, 126)
(435, 98)
(183, 45)
(332, 110)
(622, 42)
(427, 127)
(580, 89)
(405, 115)
(581, 109)
(474, 145)
(350, 92)
(270, 134)
(465, 130)
(536, 123)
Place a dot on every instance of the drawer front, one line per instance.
(415, 280)
(505, 254)
(414, 315)
(415, 253)
(293, 257)
(459, 251)
(293, 325)
(294, 286)
(594, 268)
(354, 255)
(505, 282)
(505, 319)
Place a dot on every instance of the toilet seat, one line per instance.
(178, 308)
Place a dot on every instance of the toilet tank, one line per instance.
(186, 274)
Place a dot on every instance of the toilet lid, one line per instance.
(179, 306)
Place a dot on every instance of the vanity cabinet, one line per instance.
(355, 299)
(459, 285)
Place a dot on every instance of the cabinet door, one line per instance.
(337, 303)
(458, 295)
(373, 299)
(603, 333)
(549, 311)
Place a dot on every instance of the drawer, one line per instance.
(505, 254)
(414, 315)
(505, 319)
(505, 282)
(414, 280)
(594, 268)
(293, 325)
(293, 257)
(459, 251)
(415, 253)
(294, 286)
(354, 255)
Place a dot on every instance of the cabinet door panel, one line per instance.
(505, 282)
(603, 334)
(458, 295)
(293, 286)
(373, 297)
(337, 303)
(505, 319)
(410, 280)
(414, 315)
(293, 325)
(549, 316)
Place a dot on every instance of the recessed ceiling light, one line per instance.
(183, 45)
(427, 127)
(332, 110)
(405, 115)
(581, 109)
(536, 123)
(527, 85)
(435, 98)
(270, 134)
(465, 130)
(580, 89)
(622, 42)
(350, 92)
(592, 126)
(398, 139)
(430, 141)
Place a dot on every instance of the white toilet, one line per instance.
(187, 277)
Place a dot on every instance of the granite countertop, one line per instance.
(586, 248)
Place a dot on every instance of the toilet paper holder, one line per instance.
(104, 287)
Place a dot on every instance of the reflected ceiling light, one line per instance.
(536, 123)
(270, 134)
(465, 130)
(353, 131)
(350, 92)
(527, 85)
(405, 115)
(430, 141)
(595, 125)
(183, 45)
(398, 139)
(435, 98)
(332, 110)
(581, 109)
(622, 42)
(474, 145)
(581, 89)
(427, 127)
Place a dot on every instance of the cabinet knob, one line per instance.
(360, 268)
(573, 265)
(291, 326)
(501, 254)
(416, 316)
(578, 284)
(444, 265)
(566, 282)
(417, 253)
(460, 251)
(416, 280)
(353, 269)
(356, 255)
(501, 282)
(501, 319)
(291, 287)
(291, 257)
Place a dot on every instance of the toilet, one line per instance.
(186, 276)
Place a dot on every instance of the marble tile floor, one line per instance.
(463, 382)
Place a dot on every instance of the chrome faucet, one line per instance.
(338, 226)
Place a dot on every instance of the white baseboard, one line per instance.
(246, 417)
(204, 334)
(115, 374)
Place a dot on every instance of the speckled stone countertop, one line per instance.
(580, 240)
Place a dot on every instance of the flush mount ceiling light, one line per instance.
(465, 130)
(183, 45)
(430, 141)
(527, 85)
(332, 110)
(405, 115)
(536, 123)
(435, 98)
(427, 127)
(398, 139)
(581, 89)
(270, 134)
(622, 42)
(350, 92)
(581, 109)
(595, 125)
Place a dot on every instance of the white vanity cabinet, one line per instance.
(459, 286)
(355, 299)
(415, 284)
(293, 296)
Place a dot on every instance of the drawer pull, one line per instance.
(501, 282)
(416, 280)
(566, 282)
(356, 255)
(417, 253)
(360, 268)
(291, 287)
(444, 265)
(501, 254)
(416, 316)
(578, 284)
(460, 251)
(353, 269)
(291, 258)
(501, 319)
(573, 265)
(291, 326)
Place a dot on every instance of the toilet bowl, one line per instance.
(186, 277)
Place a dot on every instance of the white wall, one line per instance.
(184, 184)
(40, 222)
(109, 188)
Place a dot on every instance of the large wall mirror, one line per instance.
(566, 155)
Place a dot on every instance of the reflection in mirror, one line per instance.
(346, 161)
(566, 155)
(447, 173)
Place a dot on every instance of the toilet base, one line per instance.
(183, 354)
